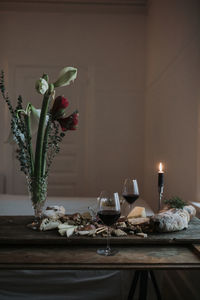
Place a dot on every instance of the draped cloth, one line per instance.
(64, 285)
(93, 285)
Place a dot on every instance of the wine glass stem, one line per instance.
(108, 239)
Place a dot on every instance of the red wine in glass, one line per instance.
(130, 191)
(109, 217)
(130, 198)
(108, 211)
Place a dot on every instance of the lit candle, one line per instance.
(160, 176)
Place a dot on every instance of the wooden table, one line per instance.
(22, 248)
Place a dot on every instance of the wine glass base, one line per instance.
(107, 252)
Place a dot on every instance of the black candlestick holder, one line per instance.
(160, 188)
(160, 192)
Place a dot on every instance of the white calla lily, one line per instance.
(41, 86)
(66, 75)
(34, 114)
(35, 118)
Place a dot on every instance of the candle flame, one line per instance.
(160, 167)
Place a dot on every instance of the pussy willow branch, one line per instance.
(54, 138)
(5, 96)
(18, 128)
(29, 143)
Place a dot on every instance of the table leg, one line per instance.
(133, 285)
(158, 294)
(143, 285)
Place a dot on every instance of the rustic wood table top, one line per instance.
(22, 248)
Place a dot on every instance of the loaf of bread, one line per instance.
(191, 210)
(170, 220)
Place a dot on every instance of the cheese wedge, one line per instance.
(137, 212)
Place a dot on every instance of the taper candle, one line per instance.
(160, 176)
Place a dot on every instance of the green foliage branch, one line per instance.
(175, 202)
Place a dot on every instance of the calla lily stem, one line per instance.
(38, 170)
(44, 151)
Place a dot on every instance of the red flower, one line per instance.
(69, 123)
(59, 106)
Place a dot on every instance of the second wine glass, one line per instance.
(130, 191)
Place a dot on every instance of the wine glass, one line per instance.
(130, 191)
(108, 211)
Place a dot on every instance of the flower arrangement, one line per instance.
(50, 123)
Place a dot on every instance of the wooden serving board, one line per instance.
(13, 231)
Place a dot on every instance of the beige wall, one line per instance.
(109, 50)
(172, 97)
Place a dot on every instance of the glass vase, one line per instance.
(37, 188)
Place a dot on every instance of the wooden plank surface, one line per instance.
(196, 249)
(85, 257)
(13, 231)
